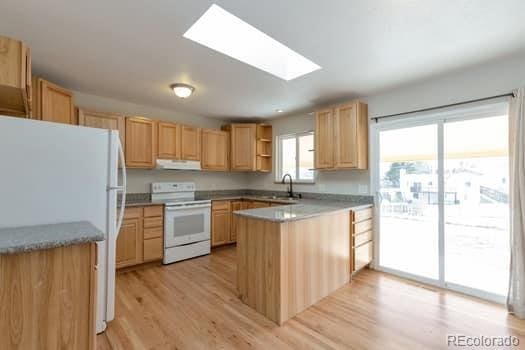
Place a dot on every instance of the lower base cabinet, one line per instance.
(48, 298)
(224, 223)
(362, 244)
(141, 236)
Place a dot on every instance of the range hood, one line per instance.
(178, 164)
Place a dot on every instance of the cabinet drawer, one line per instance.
(154, 232)
(131, 213)
(152, 249)
(220, 205)
(153, 222)
(364, 214)
(363, 255)
(363, 226)
(154, 211)
(362, 238)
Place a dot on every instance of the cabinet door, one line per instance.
(129, 243)
(141, 142)
(215, 150)
(243, 147)
(324, 139)
(55, 103)
(169, 145)
(15, 78)
(191, 143)
(153, 249)
(108, 121)
(220, 227)
(345, 132)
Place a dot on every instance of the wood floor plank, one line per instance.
(194, 305)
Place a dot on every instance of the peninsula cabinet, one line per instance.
(361, 242)
(49, 298)
(215, 150)
(341, 137)
(141, 142)
(191, 143)
(15, 78)
(100, 120)
(52, 103)
(169, 143)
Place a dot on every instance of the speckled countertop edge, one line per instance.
(30, 238)
(301, 211)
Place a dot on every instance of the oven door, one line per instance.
(186, 224)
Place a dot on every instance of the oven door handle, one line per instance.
(186, 207)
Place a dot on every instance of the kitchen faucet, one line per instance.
(290, 191)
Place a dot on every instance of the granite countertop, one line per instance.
(29, 238)
(304, 209)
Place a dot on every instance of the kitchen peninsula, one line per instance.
(290, 257)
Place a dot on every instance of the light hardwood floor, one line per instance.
(194, 305)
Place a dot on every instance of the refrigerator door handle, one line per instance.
(121, 188)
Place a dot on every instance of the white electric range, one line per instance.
(187, 221)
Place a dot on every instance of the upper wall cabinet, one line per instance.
(190, 143)
(264, 147)
(324, 139)
(52, 103)
(15, 78)
(101, 120)
(243, 150)
(141, 142)
(341, 137)
(215, 150)
(169, 145)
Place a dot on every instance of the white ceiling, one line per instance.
(133, 50)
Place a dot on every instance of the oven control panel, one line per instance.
(169, 187)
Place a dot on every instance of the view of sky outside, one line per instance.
(476, 202)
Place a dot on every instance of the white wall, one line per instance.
(485, 80)
(139, 179)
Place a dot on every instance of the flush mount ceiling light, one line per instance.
(182, 90)
(221, 31)
(279, 110)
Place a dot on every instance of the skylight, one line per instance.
(221, 31)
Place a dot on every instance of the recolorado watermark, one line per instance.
(461, 340)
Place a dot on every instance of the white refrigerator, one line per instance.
(52, 173)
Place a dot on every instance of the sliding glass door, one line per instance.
(477, 204)
(408, 189)
(443, 200)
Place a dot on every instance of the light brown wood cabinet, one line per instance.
(361, 242)
(103, 120)
(220, 223)
(169, 143)
(15, 78)
(141, 236)
(236, 205)
(141, 142)
(264, 148)
(52, 103)
(324, 139)
(215, 150)
(341, 137)
(49, 298)
(250, 147)
(243, 147)
(190, 143)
